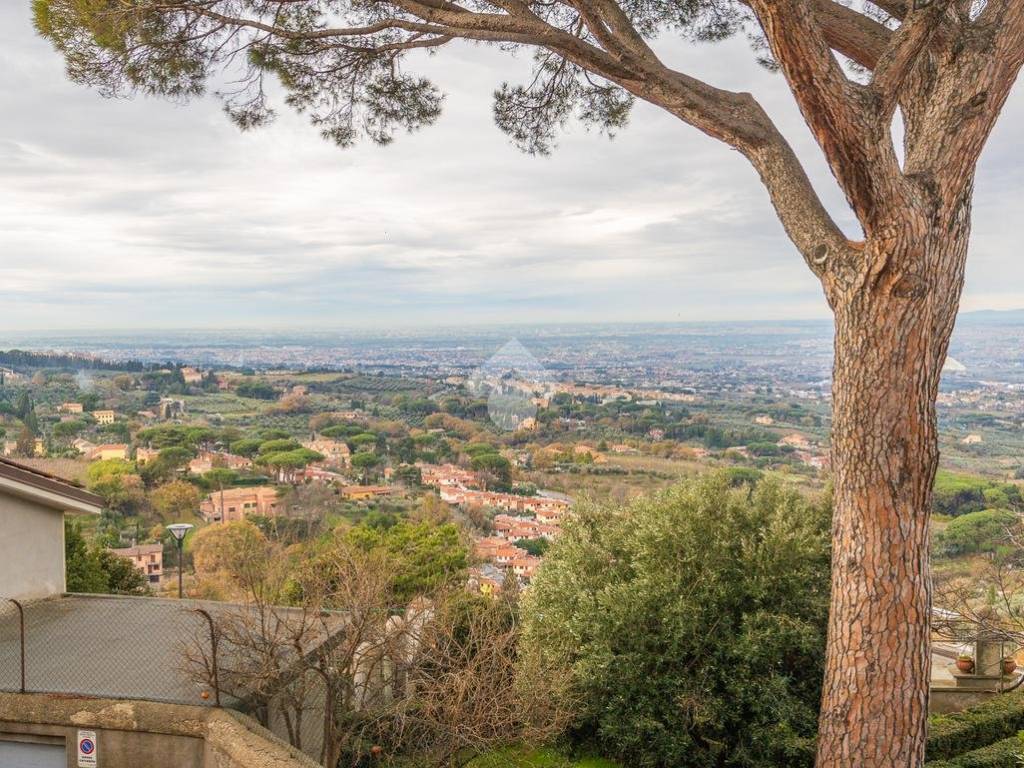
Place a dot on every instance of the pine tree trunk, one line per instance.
(892, 332)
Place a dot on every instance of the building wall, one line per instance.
(138, 734)
(118, 749)
(31, 549)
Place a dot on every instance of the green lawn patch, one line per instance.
(537, 758)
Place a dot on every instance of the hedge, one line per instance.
(1002, 754)
(994, 721)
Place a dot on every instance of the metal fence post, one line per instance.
(21, 626)
(213, 653)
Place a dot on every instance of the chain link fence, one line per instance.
(109, 647)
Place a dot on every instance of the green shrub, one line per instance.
(739, 476)
(692, 624)
(259, 390)
(962, 732)
(96, 570)
(976, 532)
(956, 494)
(1001, 754)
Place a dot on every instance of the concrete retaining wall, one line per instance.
(139, 734)
(944, 700)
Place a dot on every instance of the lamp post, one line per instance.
(178, 531)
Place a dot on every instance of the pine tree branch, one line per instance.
(903, 53)
(836, 109)
(1007, 16)
(898, 9)
(980, 77)
(858, 37)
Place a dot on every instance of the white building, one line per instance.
(32, 509)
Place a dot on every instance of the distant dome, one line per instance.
(953, 366)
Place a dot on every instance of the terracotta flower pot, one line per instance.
(1009, 666)
(965, 665)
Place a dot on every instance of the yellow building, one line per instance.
(109, 451)
(363, 492)
(103, 417)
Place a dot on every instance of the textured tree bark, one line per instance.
(892, 333)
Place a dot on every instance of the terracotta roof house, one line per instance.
(208, 460)
(235, 504)
(148, 559)
(32, 509)
(363, 492)
(487, 579)
(334, 451)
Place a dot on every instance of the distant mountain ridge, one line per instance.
(996, 316)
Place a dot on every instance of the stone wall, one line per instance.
(139, 734)
(944, 700)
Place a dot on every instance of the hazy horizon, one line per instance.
(1016, 313)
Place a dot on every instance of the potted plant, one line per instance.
(1009, 665)
(965, 663)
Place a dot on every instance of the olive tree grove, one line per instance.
(946, 66)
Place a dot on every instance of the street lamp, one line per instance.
(178, 531)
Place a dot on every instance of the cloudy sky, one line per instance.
(143, 214)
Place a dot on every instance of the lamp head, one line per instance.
(178, 530)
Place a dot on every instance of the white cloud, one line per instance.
(140, 213)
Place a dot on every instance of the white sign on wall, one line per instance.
(87, 749)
